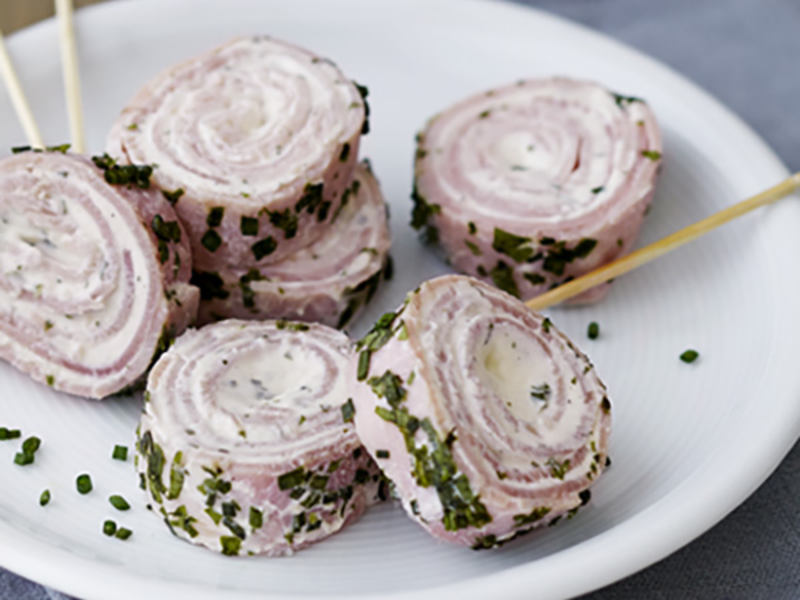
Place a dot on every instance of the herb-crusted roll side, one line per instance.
(531, 185)
(327, 282)
(94, 281)
(246, 443)
(256, 140)
(485, 416)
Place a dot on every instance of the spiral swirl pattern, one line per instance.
(533, 184)
(261, 136)
(486, 417)
(327, 282)
(93, 277)
(246, 441)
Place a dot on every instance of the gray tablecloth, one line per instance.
(747, 53)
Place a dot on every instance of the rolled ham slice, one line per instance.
(531, 185)
(327, 282)
(257, 139)
(93, 277)
(486, 418)
(246, 443)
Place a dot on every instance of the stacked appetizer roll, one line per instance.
(247, 445)
(531, 185)
(95, 277)
(262, 433)
(256, 143)
(486, 418)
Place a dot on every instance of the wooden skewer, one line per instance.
(669, 243)
(18, 100)
(72, 84)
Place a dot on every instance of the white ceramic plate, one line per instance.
(690, 442)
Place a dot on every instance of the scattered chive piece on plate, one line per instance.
(44, 499)
(123, 533)
(9, 434)
(593, 332)
(120, 453)
(109, 528)
(83, 483)
(689, 356)
(119, 502)
(29, 448)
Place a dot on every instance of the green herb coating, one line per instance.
(211, 285)
(348, 411)
(249, 226)
(651, 154)
(230, 545)
(503, 277)
(211, 240)
(264, 247)
(284, 220)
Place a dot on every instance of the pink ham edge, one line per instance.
(245, 442)
(236, 128)
(543, 158)
(328, 282)
(49, 329)
(526, 465)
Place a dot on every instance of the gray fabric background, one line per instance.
(746, 53)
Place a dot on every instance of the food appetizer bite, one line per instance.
(246, 444)
(255, 141)
(327, 282)
(486, 418)
(94, 281)
(531, 185)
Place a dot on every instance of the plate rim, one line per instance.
(57, 568)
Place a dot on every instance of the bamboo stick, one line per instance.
(662, 247)
(18, 99)
(72, 85)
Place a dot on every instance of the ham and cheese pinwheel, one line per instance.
(531, 185)
(246, 443)
(256, 140)
(486, 418)
(326, 282)
(93, 277)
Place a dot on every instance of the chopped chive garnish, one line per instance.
(173, 197)
(348, 411)
(44, 499)
(249, 226)
(26, 455)
(689, 356)
(9, 434)
(109, 528)
(211, 240)
(264, 247)
(120, 453)
(382, 453)
(214, 218)
(83, 483)
(123, 533)
(651, 154)
(593, 331)
(119, 502)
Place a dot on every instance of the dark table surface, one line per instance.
(747, 54)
